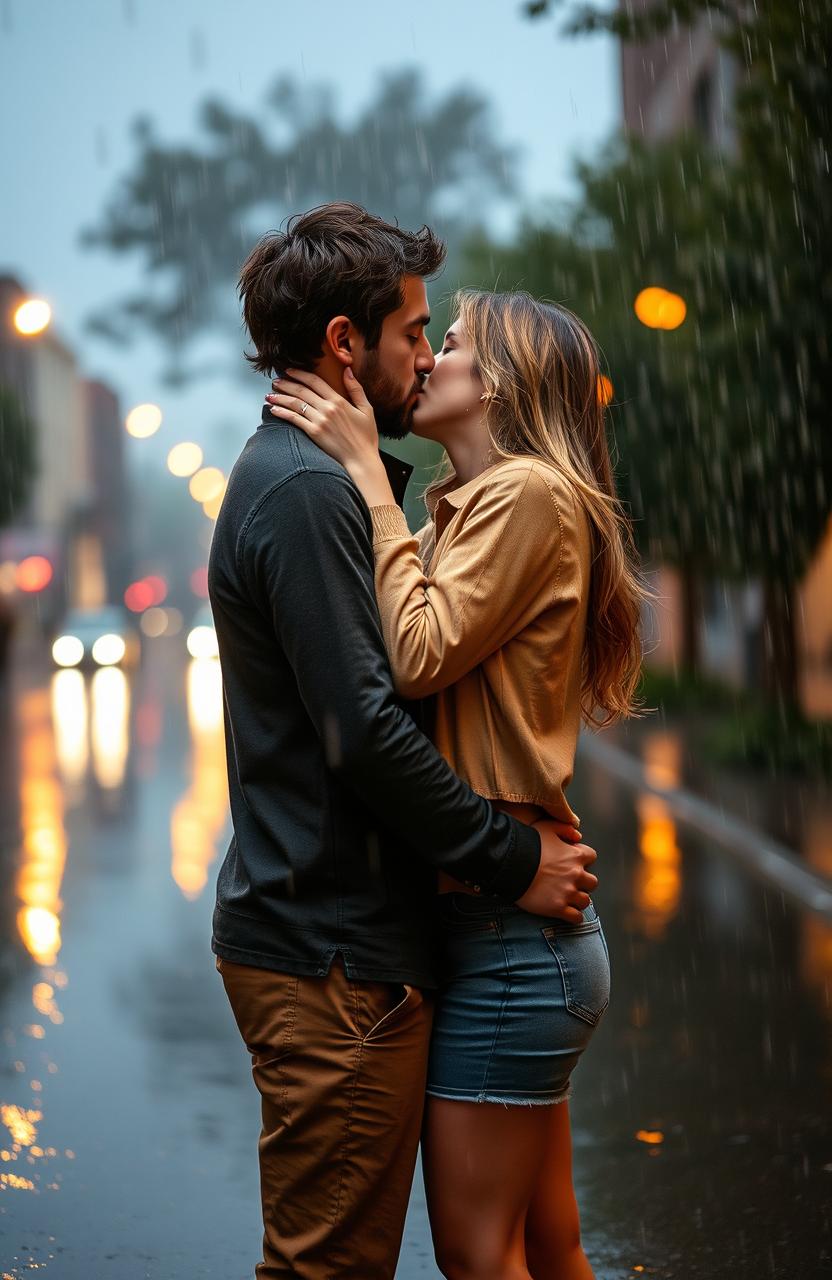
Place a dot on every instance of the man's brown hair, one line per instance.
(337, 259)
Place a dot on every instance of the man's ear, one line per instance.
(340, 340)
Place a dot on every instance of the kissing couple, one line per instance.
(403, 924)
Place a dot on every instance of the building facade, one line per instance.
(77, 513)
(678, 81)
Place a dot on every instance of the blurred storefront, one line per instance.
(69, 543)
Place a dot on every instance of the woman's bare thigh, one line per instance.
(553, 1230)
(481, 1162)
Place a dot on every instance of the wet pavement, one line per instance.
(128, 1121)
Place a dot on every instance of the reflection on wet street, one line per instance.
(128, 1122)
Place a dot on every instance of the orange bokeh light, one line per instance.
(658, 308)
(33, 574)
(199, 582)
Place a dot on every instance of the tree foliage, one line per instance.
(633, 19)
(750, 377)
(754, 252)
(614, 243)
(189, 213)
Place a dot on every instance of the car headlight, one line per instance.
(202, 643)
(108, 650)
(67, 651)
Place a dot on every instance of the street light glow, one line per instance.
(157, 586)
(33, 574)
(32, 317)
(658, 308)
(143, 421)
(212, 506)
(206, 484)
(202, 643)
(184, 459)
(67, 651)
(108, 650)
(139, 596)
(154, 622)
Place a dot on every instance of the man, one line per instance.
(343, 811)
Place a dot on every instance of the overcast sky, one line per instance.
(75, 73)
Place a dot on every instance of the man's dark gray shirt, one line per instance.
(343, 810)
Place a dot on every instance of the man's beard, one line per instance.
(393, 415)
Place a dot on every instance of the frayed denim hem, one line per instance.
(503, 1099)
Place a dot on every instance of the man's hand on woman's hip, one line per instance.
(563, 884)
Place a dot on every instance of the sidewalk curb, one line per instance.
(766, 859)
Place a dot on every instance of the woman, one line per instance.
(517, 607)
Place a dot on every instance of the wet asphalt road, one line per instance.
(702, 1112)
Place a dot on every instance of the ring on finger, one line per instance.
(304, 406)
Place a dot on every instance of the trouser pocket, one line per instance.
(406, 998)
(379, 1007)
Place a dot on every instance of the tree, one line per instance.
(190, 213)
(762, 286)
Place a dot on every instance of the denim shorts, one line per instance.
(519, 998)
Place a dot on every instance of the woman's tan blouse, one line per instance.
(486, 608)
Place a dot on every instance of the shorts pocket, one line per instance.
(584, 965)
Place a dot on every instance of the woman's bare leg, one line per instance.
(553, 1229)
(482, 1163)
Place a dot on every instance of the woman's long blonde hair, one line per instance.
(545, 398)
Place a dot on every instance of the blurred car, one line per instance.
(101, 637)
(202, 637)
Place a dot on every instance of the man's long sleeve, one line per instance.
(306, 553)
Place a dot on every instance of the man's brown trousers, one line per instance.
(340, 1066)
